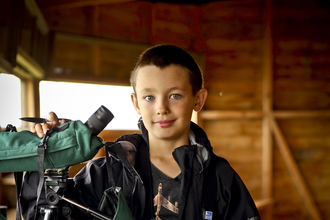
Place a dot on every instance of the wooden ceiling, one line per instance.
(124, 20)
(65, 4)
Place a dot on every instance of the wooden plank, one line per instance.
(303, 84)
(231, 71)
(297, 59)
(235, 60)
(235, 142)
(244, 11)
(234, 87)
(239, 155)
(221, 44)
(97, 60)
(230, 127)
(305, 142)
(170, 24)
(224, 29)
(294, 172)
(307, 127)
(314, 99)
(301, 44)
(226, 100)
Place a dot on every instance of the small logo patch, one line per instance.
(208, 215)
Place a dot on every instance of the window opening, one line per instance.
(10, 100)
(78, 101)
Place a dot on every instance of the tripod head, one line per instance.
(56, 183)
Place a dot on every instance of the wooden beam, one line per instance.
(96, 57)
(302, 114)
(28, 63)
(66, 4)
(21, 73)
(267, 108)
(263, 203)
(294, 171)
(243, 114)
(231, 114)
(100, 41)
(16, 12)
(96, 17)
(30, 98)
(40, 20)
(5, 66)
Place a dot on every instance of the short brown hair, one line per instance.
(165, 55)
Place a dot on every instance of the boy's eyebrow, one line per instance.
(146, 90)
(170, 89)
(176, 88)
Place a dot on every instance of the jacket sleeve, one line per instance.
(89, 185)
(234, 200)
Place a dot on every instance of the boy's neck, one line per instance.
(165, 147)
(161, 155)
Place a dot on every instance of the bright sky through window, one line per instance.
(79, 101)
(10, 100)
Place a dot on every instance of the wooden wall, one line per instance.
(302, 82)
(234, 41)
(243, 43)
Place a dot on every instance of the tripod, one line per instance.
(57, 182)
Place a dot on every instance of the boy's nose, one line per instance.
(162, 108)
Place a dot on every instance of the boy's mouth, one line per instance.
(165, 123)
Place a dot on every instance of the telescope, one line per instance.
(69, 144)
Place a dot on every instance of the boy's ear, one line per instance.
(200, 99)
(135, 103)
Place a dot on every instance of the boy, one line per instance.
(169, 171)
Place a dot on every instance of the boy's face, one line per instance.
(164, 99)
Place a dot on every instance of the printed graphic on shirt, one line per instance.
(160, 201)
(166, 192)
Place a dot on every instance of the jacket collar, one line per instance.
(197, 137)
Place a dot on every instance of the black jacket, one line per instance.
(129, 159)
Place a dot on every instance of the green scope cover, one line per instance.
(74, 145)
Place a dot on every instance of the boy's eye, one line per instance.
(175, 96)
(149, 98)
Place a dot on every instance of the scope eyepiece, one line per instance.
(99, 120)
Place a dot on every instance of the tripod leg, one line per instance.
(56, 213)
(48, 214)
